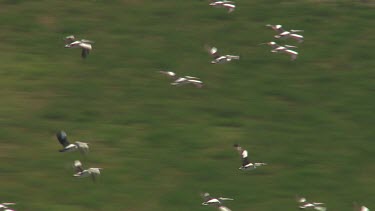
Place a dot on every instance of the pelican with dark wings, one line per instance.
(68, 147)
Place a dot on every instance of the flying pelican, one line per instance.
(80, 172)
(4, 206)
(283, 49)
(286, 34)
(224, 4)
(246, 164)
(71, 42)
(215, 202)
(314, 205)
(68, 147)
(178, 81)
(219, 59)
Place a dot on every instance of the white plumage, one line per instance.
(4, 206)
(283, 49)
(286, 34)
(229, 5)
(68, 147)
(218, 59)
(85, 45)
(215, 202)
(304, 204)
(80, 172)
(178, 81)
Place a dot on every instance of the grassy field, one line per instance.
(160, 146)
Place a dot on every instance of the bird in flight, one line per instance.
(81, 173)
(218, 59)
(304, 204)
(178, 81)
(282, 49)
(85, 45)
(246, 164)
(286, 34)
(68, 147)
(215, 202)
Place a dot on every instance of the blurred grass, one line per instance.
(160, 146)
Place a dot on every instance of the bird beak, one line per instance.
(67, 46)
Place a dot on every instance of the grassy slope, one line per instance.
(312, 120)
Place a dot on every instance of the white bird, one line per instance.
(84, 44)
(246, 164)
(229, 5)
(80, 172)
(303, 204)
(215, 202)
(283, 49)
(286, 34)
(220, 59)
(68, 147)
(178, 81)
(4, 206)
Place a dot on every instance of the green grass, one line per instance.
(160, 146)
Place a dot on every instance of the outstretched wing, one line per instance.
(87, 41)
(206, 196)
(213, 51)
(63, 138)
(77, 165)
(69, 39)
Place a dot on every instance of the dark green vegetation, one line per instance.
(160, 146)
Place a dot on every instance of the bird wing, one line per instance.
(290, 46)
(206, 197)
(77, 166)
(69, 39)
(87, 41)
(63, 138)
(213, 51)
(85, 52)
(190, 77)
(226, 199)
(197, 83)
